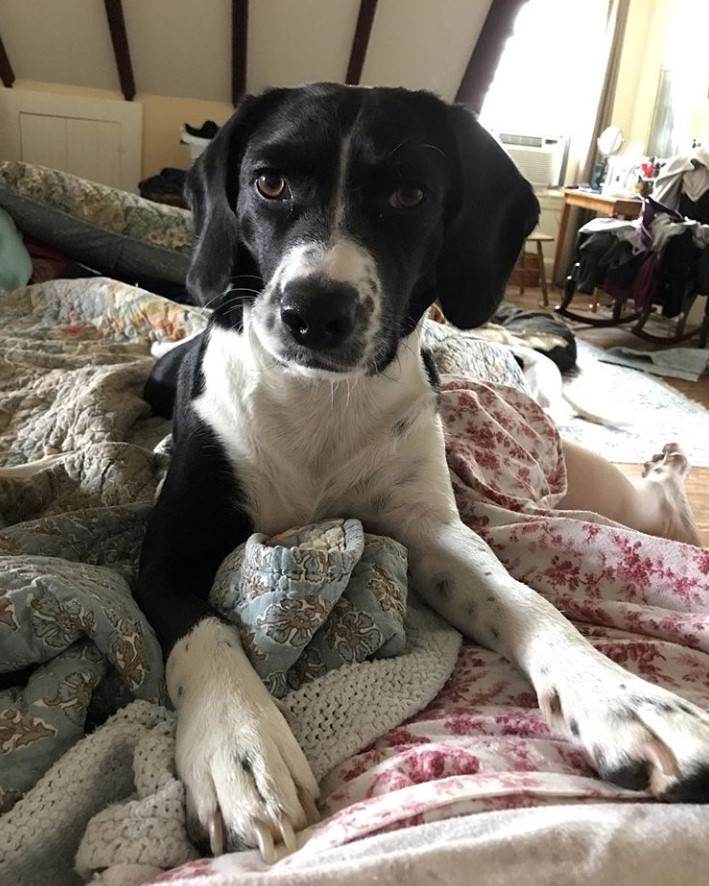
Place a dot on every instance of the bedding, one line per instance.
(109, 230)
(469, 777)
(15, 262)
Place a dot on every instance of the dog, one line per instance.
(328, 219)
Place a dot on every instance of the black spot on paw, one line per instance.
(411, 474)
(180, 691)
(574, 728)
(685, 708)
(380, 502)
(444, 585)
(633, 775)
(403, 425)
(627, 714)
(555, 703)
(693, 788)
(495, 633)
(665, 707)
(248, 768)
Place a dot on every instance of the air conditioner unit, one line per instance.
(541, 159)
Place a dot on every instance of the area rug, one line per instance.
(654, 413)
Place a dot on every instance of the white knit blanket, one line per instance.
(118, 788)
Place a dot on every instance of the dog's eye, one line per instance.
(272, 186)
(406, 197)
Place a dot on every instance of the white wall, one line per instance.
(181, 53)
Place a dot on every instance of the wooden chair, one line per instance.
(538, 238)
(640, 314)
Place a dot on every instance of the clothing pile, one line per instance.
(661, 258)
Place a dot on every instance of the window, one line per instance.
(681, 103)
(546, 82)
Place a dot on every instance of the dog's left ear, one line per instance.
(211, 191)
(493, 211)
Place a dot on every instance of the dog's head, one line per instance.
(354, 209)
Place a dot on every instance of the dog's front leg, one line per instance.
(247, 782)
(246, 779)
(638, 735)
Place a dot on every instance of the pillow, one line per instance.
(15, 261)
(114, 232)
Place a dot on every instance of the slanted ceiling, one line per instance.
(183, 48)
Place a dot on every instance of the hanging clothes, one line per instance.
(686, 174)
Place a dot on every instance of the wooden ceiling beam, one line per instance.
(360, 42)
(7, 75)
(121, 49)
(239, 48)
(487, 52)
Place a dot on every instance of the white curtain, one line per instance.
(608, 81)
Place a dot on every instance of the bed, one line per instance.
(442, 770)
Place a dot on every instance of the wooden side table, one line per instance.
(629, 208)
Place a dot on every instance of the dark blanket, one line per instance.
(522, 320)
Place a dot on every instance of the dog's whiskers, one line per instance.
(437, 149)
(400, 145)
(211, 301)
(242, 289)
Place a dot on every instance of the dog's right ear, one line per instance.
(496, 211)
(212, 189)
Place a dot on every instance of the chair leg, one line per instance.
(704, 328)
(521, 264)
(704, 332)
(563, 308)
(542, 273)
(596, 299)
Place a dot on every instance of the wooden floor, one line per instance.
(609, 337)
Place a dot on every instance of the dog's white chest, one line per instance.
(304, 449)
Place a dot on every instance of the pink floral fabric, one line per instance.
(482, 744)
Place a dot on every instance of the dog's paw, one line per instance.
(247, 781)
(638, 736)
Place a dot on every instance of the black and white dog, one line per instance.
(328, 219)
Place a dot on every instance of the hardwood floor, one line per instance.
(698, 481)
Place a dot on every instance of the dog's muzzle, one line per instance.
(319, 314)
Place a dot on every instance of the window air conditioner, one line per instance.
(541, 159)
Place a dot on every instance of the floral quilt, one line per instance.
(77, 476)
(73, 362)
(482, 746)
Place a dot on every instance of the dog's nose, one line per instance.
(319, 315)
